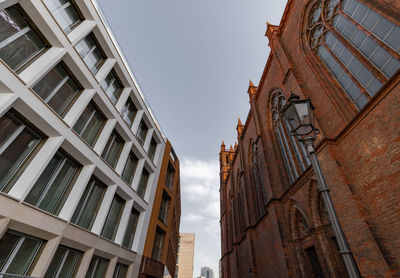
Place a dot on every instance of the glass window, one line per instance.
(65, 14)
(152, 148)
(128, 112)
(131, 229)
(112, 86)
(142, 132)
(130, 168)
(89, 124)
(163, 213)
(114, 215)
(18, 42)
(17, 141)
(158, 245)
(91, 53)
(362, 28)
(52, 188)
(17, 252)
(89, 204)
(141, 190)
(112, 149)
(57, 88)
(120, 271)
(170, 176)
(97, 268)
(64, 263)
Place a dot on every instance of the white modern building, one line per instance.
(80, 151)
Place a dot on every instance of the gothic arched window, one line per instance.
(240, 202)
(293, 152)
(359, 46)
(256, 168)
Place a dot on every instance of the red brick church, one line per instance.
(345, 56)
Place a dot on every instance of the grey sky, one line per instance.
(193, 60)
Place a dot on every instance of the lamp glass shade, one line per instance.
(299, 114)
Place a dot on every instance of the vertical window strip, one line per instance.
(382, 59)
(285, 159)
(379, 26)
(287, 150)
(113, 217)
(343, 78)
(366, 79)
(131, 229)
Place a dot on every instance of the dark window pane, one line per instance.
(7, 244)
(20, 51)
(120, 271)
(129, 112)
(10, 23)
(8, 125)
(89, 124)
(90, 53)
(131, 229)
(24, 256)
(57, 89)
(97, 268)
(14, 155)
(112, 149)
(112, 86)
(113, 217)
(130, 168)
(141, 190)
(87, 208)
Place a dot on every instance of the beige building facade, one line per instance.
(185, 259)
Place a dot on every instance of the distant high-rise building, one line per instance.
(206, 272)
(185, 258)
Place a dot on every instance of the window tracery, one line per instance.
(360, 47)
(294, 155)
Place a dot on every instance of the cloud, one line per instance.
(191, 217)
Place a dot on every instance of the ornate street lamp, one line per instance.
(300, 115)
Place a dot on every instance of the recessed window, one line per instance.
(52, 188)
(112, 221)
(131, 229)
(170, 176)
(112, 149)
(89, 204)
(142, 132)
(152, 148)
(17, 253)
(128, 112)
(65, 14)
(120, 271)
(112, 86)
(91, 53)
(58, 88)
(163, 213)
(17, 142)
(158, 244)
(97, 268)
(130, 167)
(89, 124)
(64, 263)
(144, 179)
(18, 42)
